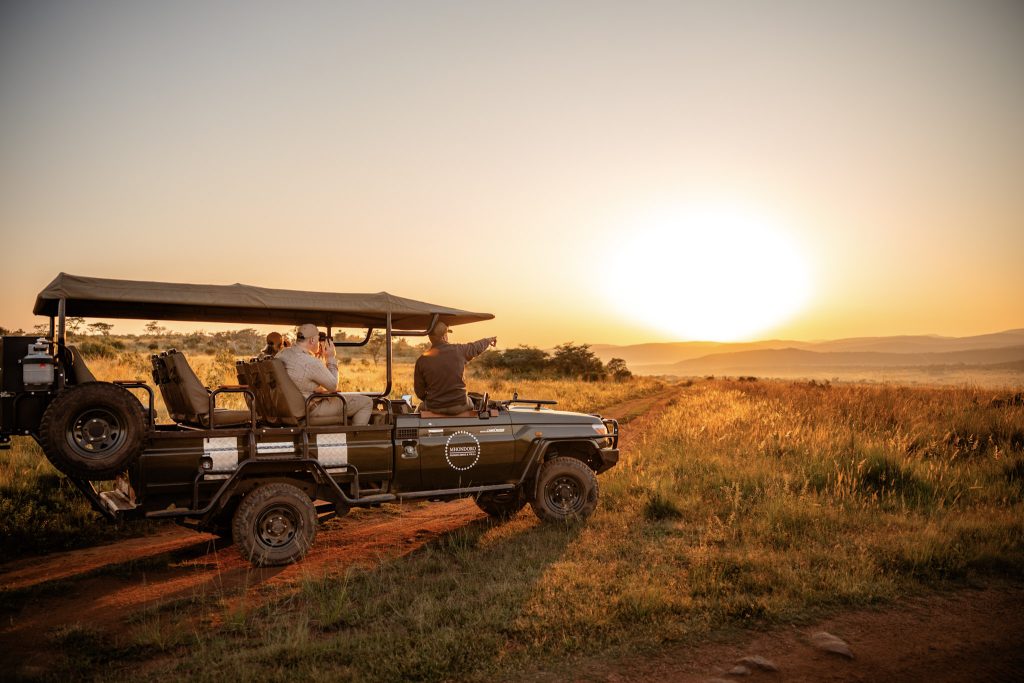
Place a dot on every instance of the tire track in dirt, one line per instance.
(101, 586)
(36, 570)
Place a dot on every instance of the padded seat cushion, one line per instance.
(325, 421)
(433, 415)
(223, 417)
(187, 400)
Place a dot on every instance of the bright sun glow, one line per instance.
(710, 274)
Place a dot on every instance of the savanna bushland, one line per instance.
(736, 504)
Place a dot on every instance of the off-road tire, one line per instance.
(274, 524)
(93, 430)
(503, 505)
(566, 491)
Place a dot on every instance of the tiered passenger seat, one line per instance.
(186, 398)
(278, 401)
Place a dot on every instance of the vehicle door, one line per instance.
(457, 452)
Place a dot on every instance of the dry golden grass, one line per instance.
(740, 504)
(359, 375)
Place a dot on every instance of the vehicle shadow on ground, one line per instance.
(104, 599)
(459, 598)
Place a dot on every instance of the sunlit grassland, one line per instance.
(741, 504)
(41, 511)
(365, 376)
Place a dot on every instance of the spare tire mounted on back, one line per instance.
(93, 430)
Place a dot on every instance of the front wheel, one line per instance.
(566, 490)
(275, 524)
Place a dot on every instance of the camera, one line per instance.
(323, 336)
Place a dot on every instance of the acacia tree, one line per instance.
(375, 347)
(577, 360)
(155, 329)
(74, 323)
(100, 328)
(616, 367)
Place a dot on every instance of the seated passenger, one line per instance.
(275, 342)
(312, 376)
(440, 372)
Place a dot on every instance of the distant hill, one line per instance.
(784, 357)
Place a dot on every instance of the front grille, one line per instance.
(406, 433)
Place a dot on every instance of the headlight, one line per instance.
(600, 428)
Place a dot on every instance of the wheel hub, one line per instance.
(95, 431)
(565, 493)
(277, 527)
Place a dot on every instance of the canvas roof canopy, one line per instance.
(94, 297)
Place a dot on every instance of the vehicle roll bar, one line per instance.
(389, 334)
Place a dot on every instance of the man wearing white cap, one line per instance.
(312, 376)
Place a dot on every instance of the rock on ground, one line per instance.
(823, 640)
(759, 662)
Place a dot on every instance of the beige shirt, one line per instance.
(307, 371)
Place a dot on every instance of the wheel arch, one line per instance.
(584, 450)
(306, 480)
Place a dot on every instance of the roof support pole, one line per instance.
(62, 306)
(53, 329)
(387, 354)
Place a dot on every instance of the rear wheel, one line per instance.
(503, 505)
(93, 430)
(275, 524)
(566, 490)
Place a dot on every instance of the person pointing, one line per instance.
(439, 378)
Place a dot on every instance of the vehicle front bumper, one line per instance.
(607, 458)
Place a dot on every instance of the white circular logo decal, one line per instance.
(459, 448)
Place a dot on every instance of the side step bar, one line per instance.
(117, 502)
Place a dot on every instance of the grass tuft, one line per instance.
(660, 507)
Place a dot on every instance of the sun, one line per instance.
(713, 274)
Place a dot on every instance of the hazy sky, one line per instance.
(548, 162)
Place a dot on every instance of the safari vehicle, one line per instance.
(266, 475)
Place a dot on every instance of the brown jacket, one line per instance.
(439, 379)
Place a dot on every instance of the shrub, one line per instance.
(97, 349)
(616, 367)
(520, 361)
(577, 360)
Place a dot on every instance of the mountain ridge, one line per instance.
(900, 351)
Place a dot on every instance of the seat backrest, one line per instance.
(169, 390)
(186, 397)
(249, 375)
(79, 370)
(287, 401)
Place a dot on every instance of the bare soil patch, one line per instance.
(971, 634)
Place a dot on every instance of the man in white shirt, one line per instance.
(312, 376)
